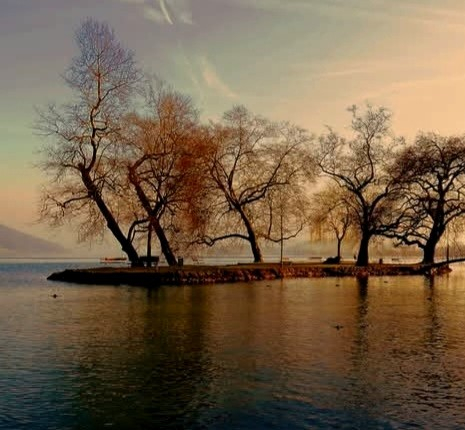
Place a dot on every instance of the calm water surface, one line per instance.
(295, 354)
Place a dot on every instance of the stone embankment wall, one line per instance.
(196, 275)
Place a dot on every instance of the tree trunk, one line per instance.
(155, 222)
(149, 246)
(126, 244)
(164, 243)
(428, 251)
(256, 251)
(339, 243)
(362, 257)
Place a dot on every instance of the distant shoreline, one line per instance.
(198, 275)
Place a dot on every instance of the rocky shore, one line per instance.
(195, 275)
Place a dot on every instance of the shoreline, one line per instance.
(198, 275)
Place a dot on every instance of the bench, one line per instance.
(150, 261)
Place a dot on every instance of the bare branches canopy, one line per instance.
(432, 174)
(84, 132)
(131, 156)
(255, 166)
(360, 167)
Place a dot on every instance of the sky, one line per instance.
(304, 61)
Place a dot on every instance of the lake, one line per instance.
(386, 353)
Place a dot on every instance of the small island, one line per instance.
(138, 162)
(202, 274)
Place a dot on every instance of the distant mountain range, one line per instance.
(14, 243)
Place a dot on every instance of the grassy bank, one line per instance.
(195, 275)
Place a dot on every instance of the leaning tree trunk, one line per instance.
(362, 257)
(256, 251)
(113, 226)
(155, 222)
(164, 243)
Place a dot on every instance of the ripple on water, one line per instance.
(233, 356)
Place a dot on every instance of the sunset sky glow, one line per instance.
(304, 61)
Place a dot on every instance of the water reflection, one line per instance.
(150, 361)
(206, 357)
(307, 353)
(401, 366)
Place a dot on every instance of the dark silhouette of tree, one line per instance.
(254, 160)
(84, 132)
(432, 171)
(361, 167)
(165, 164)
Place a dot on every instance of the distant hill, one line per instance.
(15, 243)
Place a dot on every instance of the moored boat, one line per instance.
(113, 259)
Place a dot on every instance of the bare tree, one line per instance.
(360, 166)
(332, 215)
(164, 162)
(432, 171)
(284, 212)
(254, 160)
(83, 134)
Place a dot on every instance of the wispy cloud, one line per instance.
(436, 18)
(201, 76)
(182, 10)
(433, 17)
(345, 68)
(213, 80)
(165, 11)
(421, 86)
(153, 14)
(133, 1)
(187, 65)
(273, 4)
